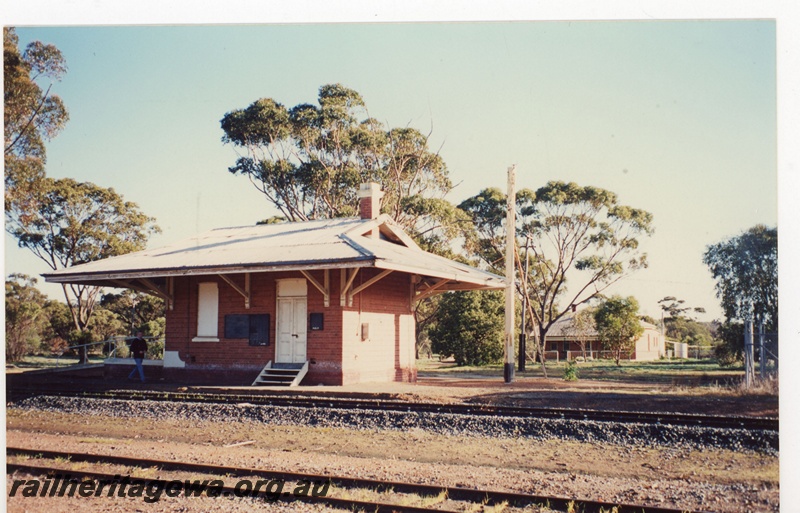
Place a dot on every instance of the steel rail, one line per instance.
(487, 497)
(311, 401)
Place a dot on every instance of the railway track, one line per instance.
(310, 401)
(457, 496)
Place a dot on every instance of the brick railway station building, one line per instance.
(322, 302)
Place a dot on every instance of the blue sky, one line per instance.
(677, 117)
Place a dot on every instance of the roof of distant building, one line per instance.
(561, 329)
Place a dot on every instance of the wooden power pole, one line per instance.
(511, 237)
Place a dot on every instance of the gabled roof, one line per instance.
(323, 244)
(560, 330)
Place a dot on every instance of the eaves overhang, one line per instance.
(121, 274)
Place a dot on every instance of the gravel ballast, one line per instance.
(652, 435)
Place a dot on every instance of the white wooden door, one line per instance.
(291, 330)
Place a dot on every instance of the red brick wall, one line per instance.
(388, 353)
(365, 208)
(337, 355)
(324, 347)
(182, 323)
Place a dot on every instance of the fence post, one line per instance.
(749, 373)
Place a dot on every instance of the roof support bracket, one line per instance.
(129, 284)
(148, 287)
(431, 290)
(347, 277)
(366, 284)
(245, 292)
(159, 291)
(324, 289)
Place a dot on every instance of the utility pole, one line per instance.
(511, 237)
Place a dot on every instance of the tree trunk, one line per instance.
(74, 310)
(540, 347)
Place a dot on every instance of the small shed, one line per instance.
(326, 302)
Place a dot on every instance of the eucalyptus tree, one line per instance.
(25, 316)
(65, 223)
(746, 270)
(571, 232)
(31, 115)
(681, 324)
(675, 307)
(308, 161)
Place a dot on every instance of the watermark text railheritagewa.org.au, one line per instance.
(151, 490)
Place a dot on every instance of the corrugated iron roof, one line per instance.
(561, 329)
(307, 245)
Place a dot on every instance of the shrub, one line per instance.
(470, 327)
(155, 349)
(571, 371)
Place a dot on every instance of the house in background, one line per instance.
(563, 343)
(331, 300)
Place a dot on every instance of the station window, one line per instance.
(207, 313)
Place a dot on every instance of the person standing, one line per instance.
(138, 349)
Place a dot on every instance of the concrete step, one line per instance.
(281, 374)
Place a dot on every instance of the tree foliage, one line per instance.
(618, 324)
(746, 270)
(730, 348)
(675, 307)
(60, 331)
(67, 223)
(35, 323)
(680, 323)
(137, 311)
(470, 327)
(31, 115)
(688, 330)
(25, 316)
(104, 324)
(309, 161)
(576, 233)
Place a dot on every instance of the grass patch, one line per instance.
(670, 372)
(49, 362)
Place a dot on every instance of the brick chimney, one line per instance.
(369, 202)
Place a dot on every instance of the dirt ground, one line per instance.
(715, 480)
(707, 480)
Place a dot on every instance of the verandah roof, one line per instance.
(311, 245)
